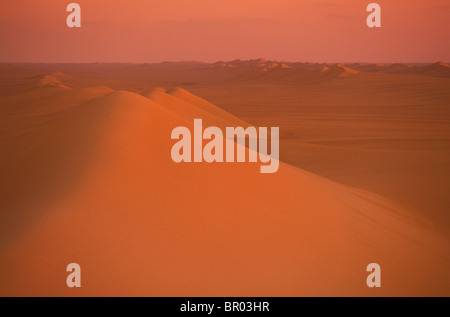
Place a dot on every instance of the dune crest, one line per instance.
(442, 64)
(190, 107)
(344, 71)
(205, 106)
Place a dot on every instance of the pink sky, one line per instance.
(211, 30)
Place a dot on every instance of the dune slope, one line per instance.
(111, 199)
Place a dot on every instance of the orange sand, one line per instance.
(87, 177)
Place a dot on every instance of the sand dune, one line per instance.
(203, 104)
(91, 181)
(439, 69)
(345, 71)
(47, 81)
(190, 107)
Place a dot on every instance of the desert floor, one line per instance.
(86, 177)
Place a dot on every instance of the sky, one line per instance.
(141, 31)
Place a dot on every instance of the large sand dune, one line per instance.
(87, 177)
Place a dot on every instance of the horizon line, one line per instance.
(227, 61)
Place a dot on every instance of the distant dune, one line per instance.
(88, 178)
(57, 79)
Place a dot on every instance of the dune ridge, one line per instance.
(190, 107)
